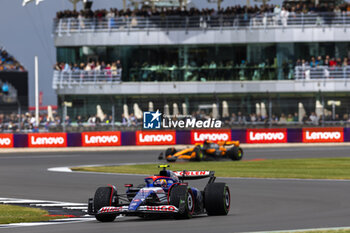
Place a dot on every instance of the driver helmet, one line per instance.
(162, 182)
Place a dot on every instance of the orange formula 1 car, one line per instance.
(206, 151)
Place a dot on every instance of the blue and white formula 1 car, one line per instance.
(164, 194)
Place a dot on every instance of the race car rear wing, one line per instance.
(195, 175)
(191, 175)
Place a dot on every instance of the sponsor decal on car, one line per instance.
(101, 138)
(333, 134)
(6, 140)
(266, 135)
(111, 209)
(164, 208)
(198, 136)
(192, 173)
(47, 140)
(155, 137)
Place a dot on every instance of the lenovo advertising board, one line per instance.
(145, 138)
(47, 140)
(331, 134)
(266, 135)
(198, 136)
(6, 140)
(101, 138)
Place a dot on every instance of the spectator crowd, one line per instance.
(89, 66)
(213, 70)
(26, 122)
(8, 62)
(326, 61)
(146, 11)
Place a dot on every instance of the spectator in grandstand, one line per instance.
(332, 62)
(91, 119)
(67, 120)
(252, 118)
(284, 16)
(241, 119)
(124, 120)
(319, 61)
(295, 117)
(133, 120)
(313, 62)
(326, 61)
(79, 120)
(8, 62)
(233, 119)
(274, 119)
(283, 119)
(313, 118)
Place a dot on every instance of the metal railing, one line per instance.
(65, 26)
(321, 72)
(63, 79)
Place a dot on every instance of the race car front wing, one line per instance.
(160, 209)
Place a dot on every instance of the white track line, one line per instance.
(303, 230)
(76, 208)
(58, 204)
(21, 202)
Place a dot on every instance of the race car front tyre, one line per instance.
(182, 198)
(217, 199)
(235, 153)
(199, 154)
(105, 196)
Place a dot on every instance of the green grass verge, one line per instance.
(16, 214)
(319, 168)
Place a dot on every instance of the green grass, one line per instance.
(16, 214)
(319, 168)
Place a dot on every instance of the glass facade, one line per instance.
(281, 104)
(270, 61)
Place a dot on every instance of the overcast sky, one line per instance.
(26, 32)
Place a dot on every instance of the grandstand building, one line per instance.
(201, 59)
(13, 84)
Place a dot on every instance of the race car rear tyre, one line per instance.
(217, 199)
(105, 196)
(170, 151)
(182, 198)
(235, 153)
(169, 154)
(199, 153)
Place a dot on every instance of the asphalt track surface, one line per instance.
(256, 204)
